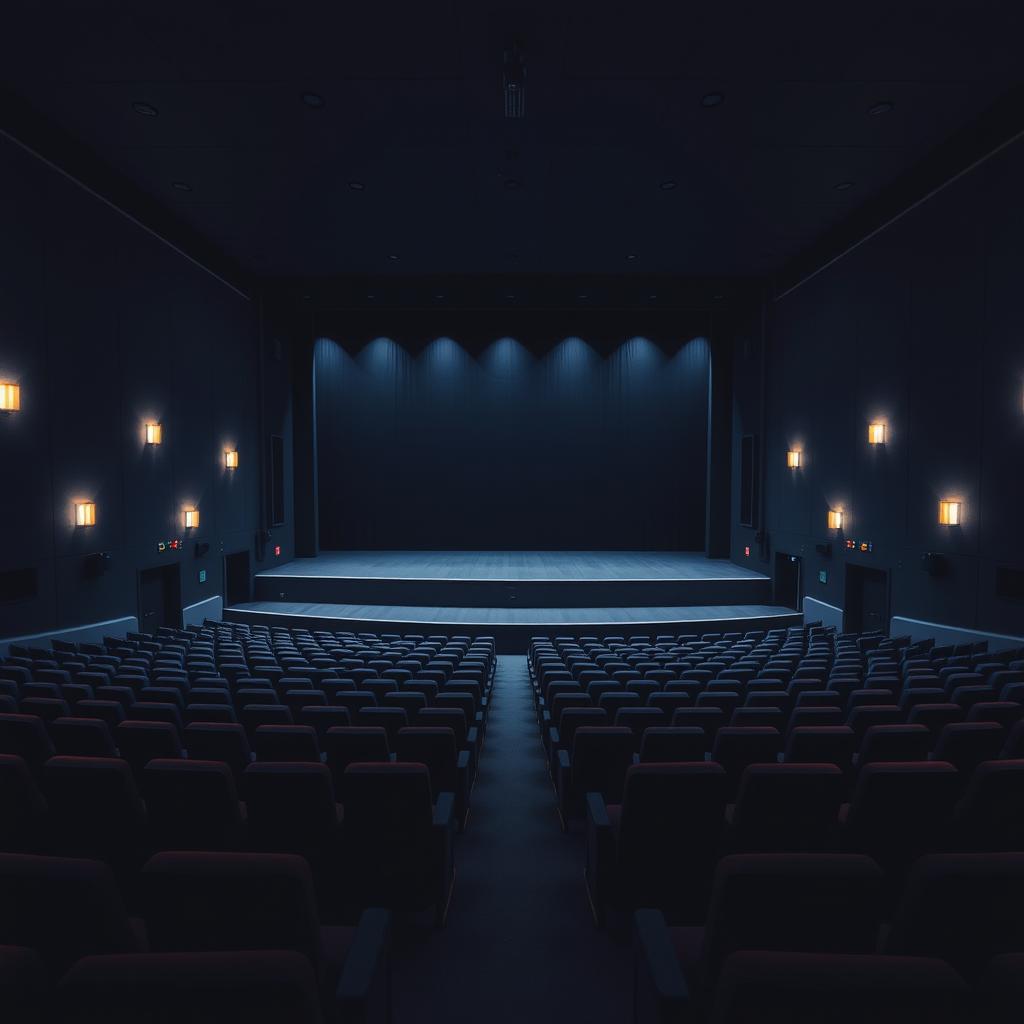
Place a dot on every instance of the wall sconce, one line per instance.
(231, 460)
(191, 518)
(835, 519)
(793, 459)
(85, 513)
(876, 433)
(950, 513)
(10, 397)
(154, 433)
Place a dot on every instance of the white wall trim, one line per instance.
(92, 632)
(208, 608)
(918, 629)
(829, 614)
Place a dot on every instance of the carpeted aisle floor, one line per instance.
(520, 945)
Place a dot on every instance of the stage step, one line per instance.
(512, 628)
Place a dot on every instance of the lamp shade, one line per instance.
(950, 513)
(191, 518)
(10, 397)
(154, 433)
(231, 459)
(876, 433)
(85, 513)
(793, 459)
(835, 519)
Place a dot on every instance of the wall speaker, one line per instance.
(824, 549)
(96, 564)
(934, 564)
(202, 547)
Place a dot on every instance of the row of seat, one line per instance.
(209, 936)
(810, 938)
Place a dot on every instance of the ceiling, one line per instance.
(413, 113)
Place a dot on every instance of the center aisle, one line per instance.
(519, 919)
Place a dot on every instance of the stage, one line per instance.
(514, 595)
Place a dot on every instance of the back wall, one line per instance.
(463, 430)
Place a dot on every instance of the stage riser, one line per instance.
(446, 593)
(514, 638)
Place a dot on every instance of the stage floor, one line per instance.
(514, 595)
(515, 566)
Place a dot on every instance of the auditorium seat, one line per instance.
(786, 807)
(595, 763)
(657, 848)
(83, 737)
(217, 741)
(962, 908)
(258, 987)
(894, 743)
(211, 902)
(64, 909)
(672, 743)
(899, 812)
(828, 903)
(140, 742)
(345, 745)
(966, 744)
(95, 811)
(399, 841)
(735, 748)
(25, 736)
(809, 988)
(23, 810)
(192, 805)
(435, 747)
(286, 743)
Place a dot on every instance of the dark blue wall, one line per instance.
(511, 431)
(921, 327)
(105, 327)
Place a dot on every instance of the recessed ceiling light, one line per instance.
(652, 297)
(393, 256)
(583, 296)
(512, 183)
(717, 297)
(356, 186)
(667, 185)
(843, 186)
(313, 99)
(510, 296)
(881, 107)
(145, 109)
(306, 298)
(181, 186)
(439, 296)
(631, 256)
(712, 99)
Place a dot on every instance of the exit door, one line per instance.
(867, 599)
(159, 598)
(788, 580)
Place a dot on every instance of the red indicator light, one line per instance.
(277, 550)
(746, 551)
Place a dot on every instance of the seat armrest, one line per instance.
(563, 777)
(597, 813)
(462, 779)
(363, 992)
(444, 810)
(660, 992)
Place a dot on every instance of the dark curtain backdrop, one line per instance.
(493, 431)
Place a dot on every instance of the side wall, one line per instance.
(921, 328)
(104, 327)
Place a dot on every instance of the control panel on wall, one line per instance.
(174, 544)
(865, 546)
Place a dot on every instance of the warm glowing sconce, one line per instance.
(231, 460)
(835, 519)
(85, 513)
(154, 433)
(950, 513)
(191, 518)
(10, 397)
(876, 433)
(793, 459)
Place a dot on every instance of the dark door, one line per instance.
(237, 581)
(159, 598)
(788, 580)
(867, 599)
